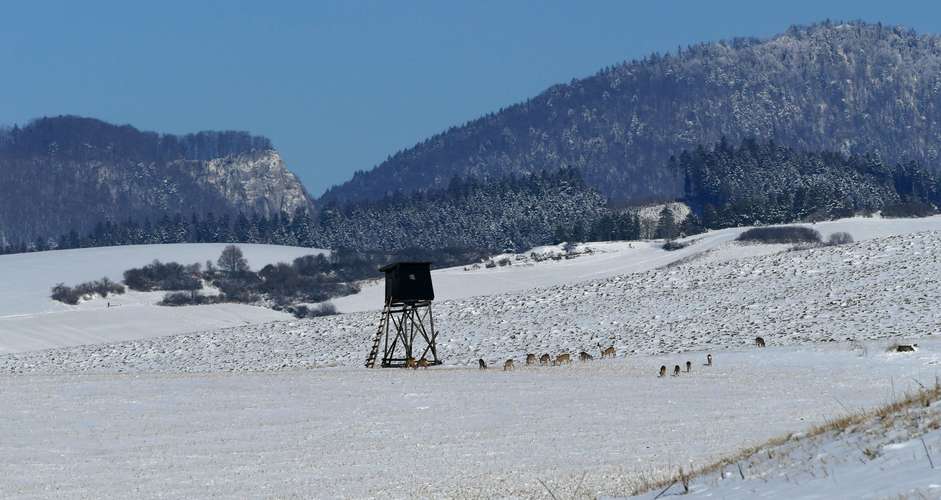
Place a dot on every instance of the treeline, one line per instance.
(512, 214)
(764, 183)
(81, 139)
(281, 229)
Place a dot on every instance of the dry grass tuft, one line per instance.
(885, 414)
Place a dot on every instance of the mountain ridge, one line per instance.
(850, 87)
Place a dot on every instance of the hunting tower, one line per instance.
(407, 328)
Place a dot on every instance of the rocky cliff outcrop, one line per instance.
(69, 173)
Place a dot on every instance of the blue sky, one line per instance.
(339, 86)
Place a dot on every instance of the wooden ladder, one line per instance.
(377, 339)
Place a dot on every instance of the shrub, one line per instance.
(490, 264)
(781, 234)
(672, 245)
(322, 309)
(71, 295)
(163, 276)
(237, 290)
(103, 287)
(184, 299)
(312, 265)
(65, 294)
(840, 238)
(504, 262)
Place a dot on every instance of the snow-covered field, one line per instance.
(885, 288)
(236, 412)
(29, 319)
(617, 258)
(438, 432)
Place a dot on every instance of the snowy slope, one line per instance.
(882, 288)
(615, 258)
(166, 416)
(442, 432)
(29, 319)
(894, 455)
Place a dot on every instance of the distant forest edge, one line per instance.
(753, 183)
(853, 88)
(764, 183)
(81, 138)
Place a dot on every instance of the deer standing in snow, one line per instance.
(563, 358)
(759, 342)
(663, 371)
(508, 365)
(608, 353)
(530, 359)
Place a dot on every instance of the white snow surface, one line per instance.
(236, 412)
(883, 457)
(883, 288)
(441, 432)
(30, 320)
(616, 258)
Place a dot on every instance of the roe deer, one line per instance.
(608, 353)
(545, 359)
(584, 356)
(760, 342)
(708, 359)
(482, 364)
(422, 363)
(508, 365)
(410, 362)
(563, 358)
(689, 366)
(530, 359)
(676, 370)
(663, 371)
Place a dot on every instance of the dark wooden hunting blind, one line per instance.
(407, 327)
(408, 282)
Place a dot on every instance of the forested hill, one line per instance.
(764, 183)
(70, 173)
(853, 88)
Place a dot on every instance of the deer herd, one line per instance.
(545, 360)
(566, 359)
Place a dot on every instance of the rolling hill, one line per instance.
(853, 88)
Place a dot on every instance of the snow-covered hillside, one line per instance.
(617, 258)
(29, 319)
(892, 452)
(167, 415)
(883, 288)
